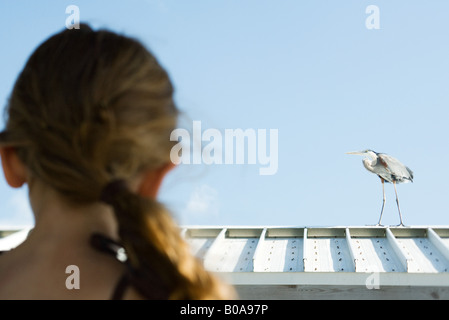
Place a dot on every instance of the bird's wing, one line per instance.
(393, 166)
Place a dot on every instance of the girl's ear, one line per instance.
(13, 168)
(152, 180)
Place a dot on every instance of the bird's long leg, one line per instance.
(383, 202)
(397, 202)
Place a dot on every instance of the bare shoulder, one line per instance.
(69, 276)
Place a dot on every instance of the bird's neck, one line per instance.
(369, 164)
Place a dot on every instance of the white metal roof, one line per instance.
(13, 240)
(410, 256)
(416, 256)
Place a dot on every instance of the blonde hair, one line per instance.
(91, 107)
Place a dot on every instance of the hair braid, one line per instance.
(154, 246)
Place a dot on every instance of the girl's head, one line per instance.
(92, 107)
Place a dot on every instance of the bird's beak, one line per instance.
(355, 152)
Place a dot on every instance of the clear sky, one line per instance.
(309, 69)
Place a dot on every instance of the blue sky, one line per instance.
(309, 69)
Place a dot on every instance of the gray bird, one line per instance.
(388, 169)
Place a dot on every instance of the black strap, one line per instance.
(153, 288)
(104, 244)
(121, 287)
(111, 247)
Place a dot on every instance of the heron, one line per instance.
(389, 170)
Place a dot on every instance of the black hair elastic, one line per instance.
(113, 189)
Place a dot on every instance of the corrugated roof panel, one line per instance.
(339, 249)
(446, 242)
(375, 255)
(200, 240)
(200, 246)
(232, 251)
(444, 239)
(424, 256)
(328, 255)
(281, 254)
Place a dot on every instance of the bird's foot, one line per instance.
(375, 225)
